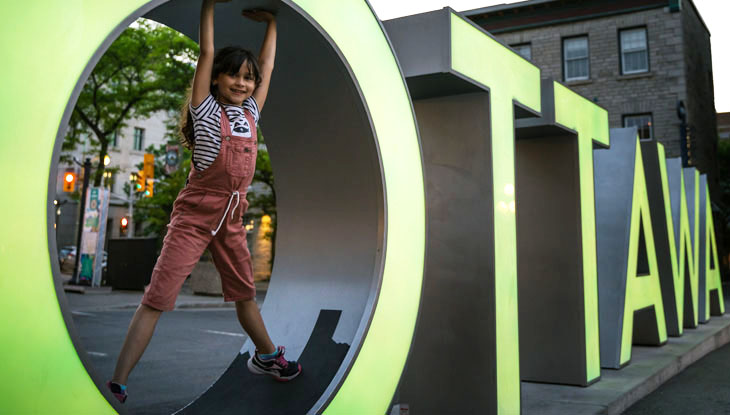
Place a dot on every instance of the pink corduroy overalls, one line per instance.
(208, 214)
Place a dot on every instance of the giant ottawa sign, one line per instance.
(434, 195)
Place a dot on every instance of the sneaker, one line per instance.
(117, 391)
(278, 367)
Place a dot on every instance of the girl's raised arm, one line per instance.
(267, 53)
(201, 81)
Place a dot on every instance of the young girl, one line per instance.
(229, 89)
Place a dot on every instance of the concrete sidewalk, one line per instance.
(106, 299)
(617, 390)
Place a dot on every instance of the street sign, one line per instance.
(171, 158)
(92, 238)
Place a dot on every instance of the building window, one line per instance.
(575, 58)
(524, 50)
(138, 138)
(634, 51)
(114, 142)
(643, 124)
(85, 141)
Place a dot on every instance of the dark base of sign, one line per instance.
(239, 391)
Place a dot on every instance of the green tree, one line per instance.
(262, 201)
(721, 206)
(147, 69)
(154, 212)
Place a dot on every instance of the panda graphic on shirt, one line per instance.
(241, 128)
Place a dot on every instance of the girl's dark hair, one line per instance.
(227, 60)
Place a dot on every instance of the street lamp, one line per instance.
(107, 160)
(58, 205)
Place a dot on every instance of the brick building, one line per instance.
(646, 61)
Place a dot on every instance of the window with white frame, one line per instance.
(524, 50)
(575, 58)
(634, 51)
(643, 124)
(138, 138)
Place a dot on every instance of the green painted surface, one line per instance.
(712, 268)
(509, 78)
(55, 42)
(677, 276)
(591, 124)
(374, 376)
(45, 50)
(641, 291)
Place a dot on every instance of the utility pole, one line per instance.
(130, 214)
(133, 189)
(82, 210)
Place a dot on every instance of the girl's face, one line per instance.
(234, 89)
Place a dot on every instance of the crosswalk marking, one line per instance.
(224, 333)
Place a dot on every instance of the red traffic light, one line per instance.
(69, 181)
(124, 222)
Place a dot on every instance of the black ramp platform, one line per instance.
(239, 388)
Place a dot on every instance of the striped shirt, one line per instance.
(207, 127)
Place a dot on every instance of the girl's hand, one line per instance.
(259, 15)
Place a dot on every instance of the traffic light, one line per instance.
(148, 192)
(69, 181)
(123, 224)
(148, 170)
(139, 182)
(148, 166)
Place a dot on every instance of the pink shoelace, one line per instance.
(280, 360)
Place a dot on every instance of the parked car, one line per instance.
(67, 259)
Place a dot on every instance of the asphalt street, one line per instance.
(703, 388)
(189, 351)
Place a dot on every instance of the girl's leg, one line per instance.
(138, 337)
(250, 318)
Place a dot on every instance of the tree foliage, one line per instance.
(154, 212)
(263, 199)
(721, 206)
(147, 69)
